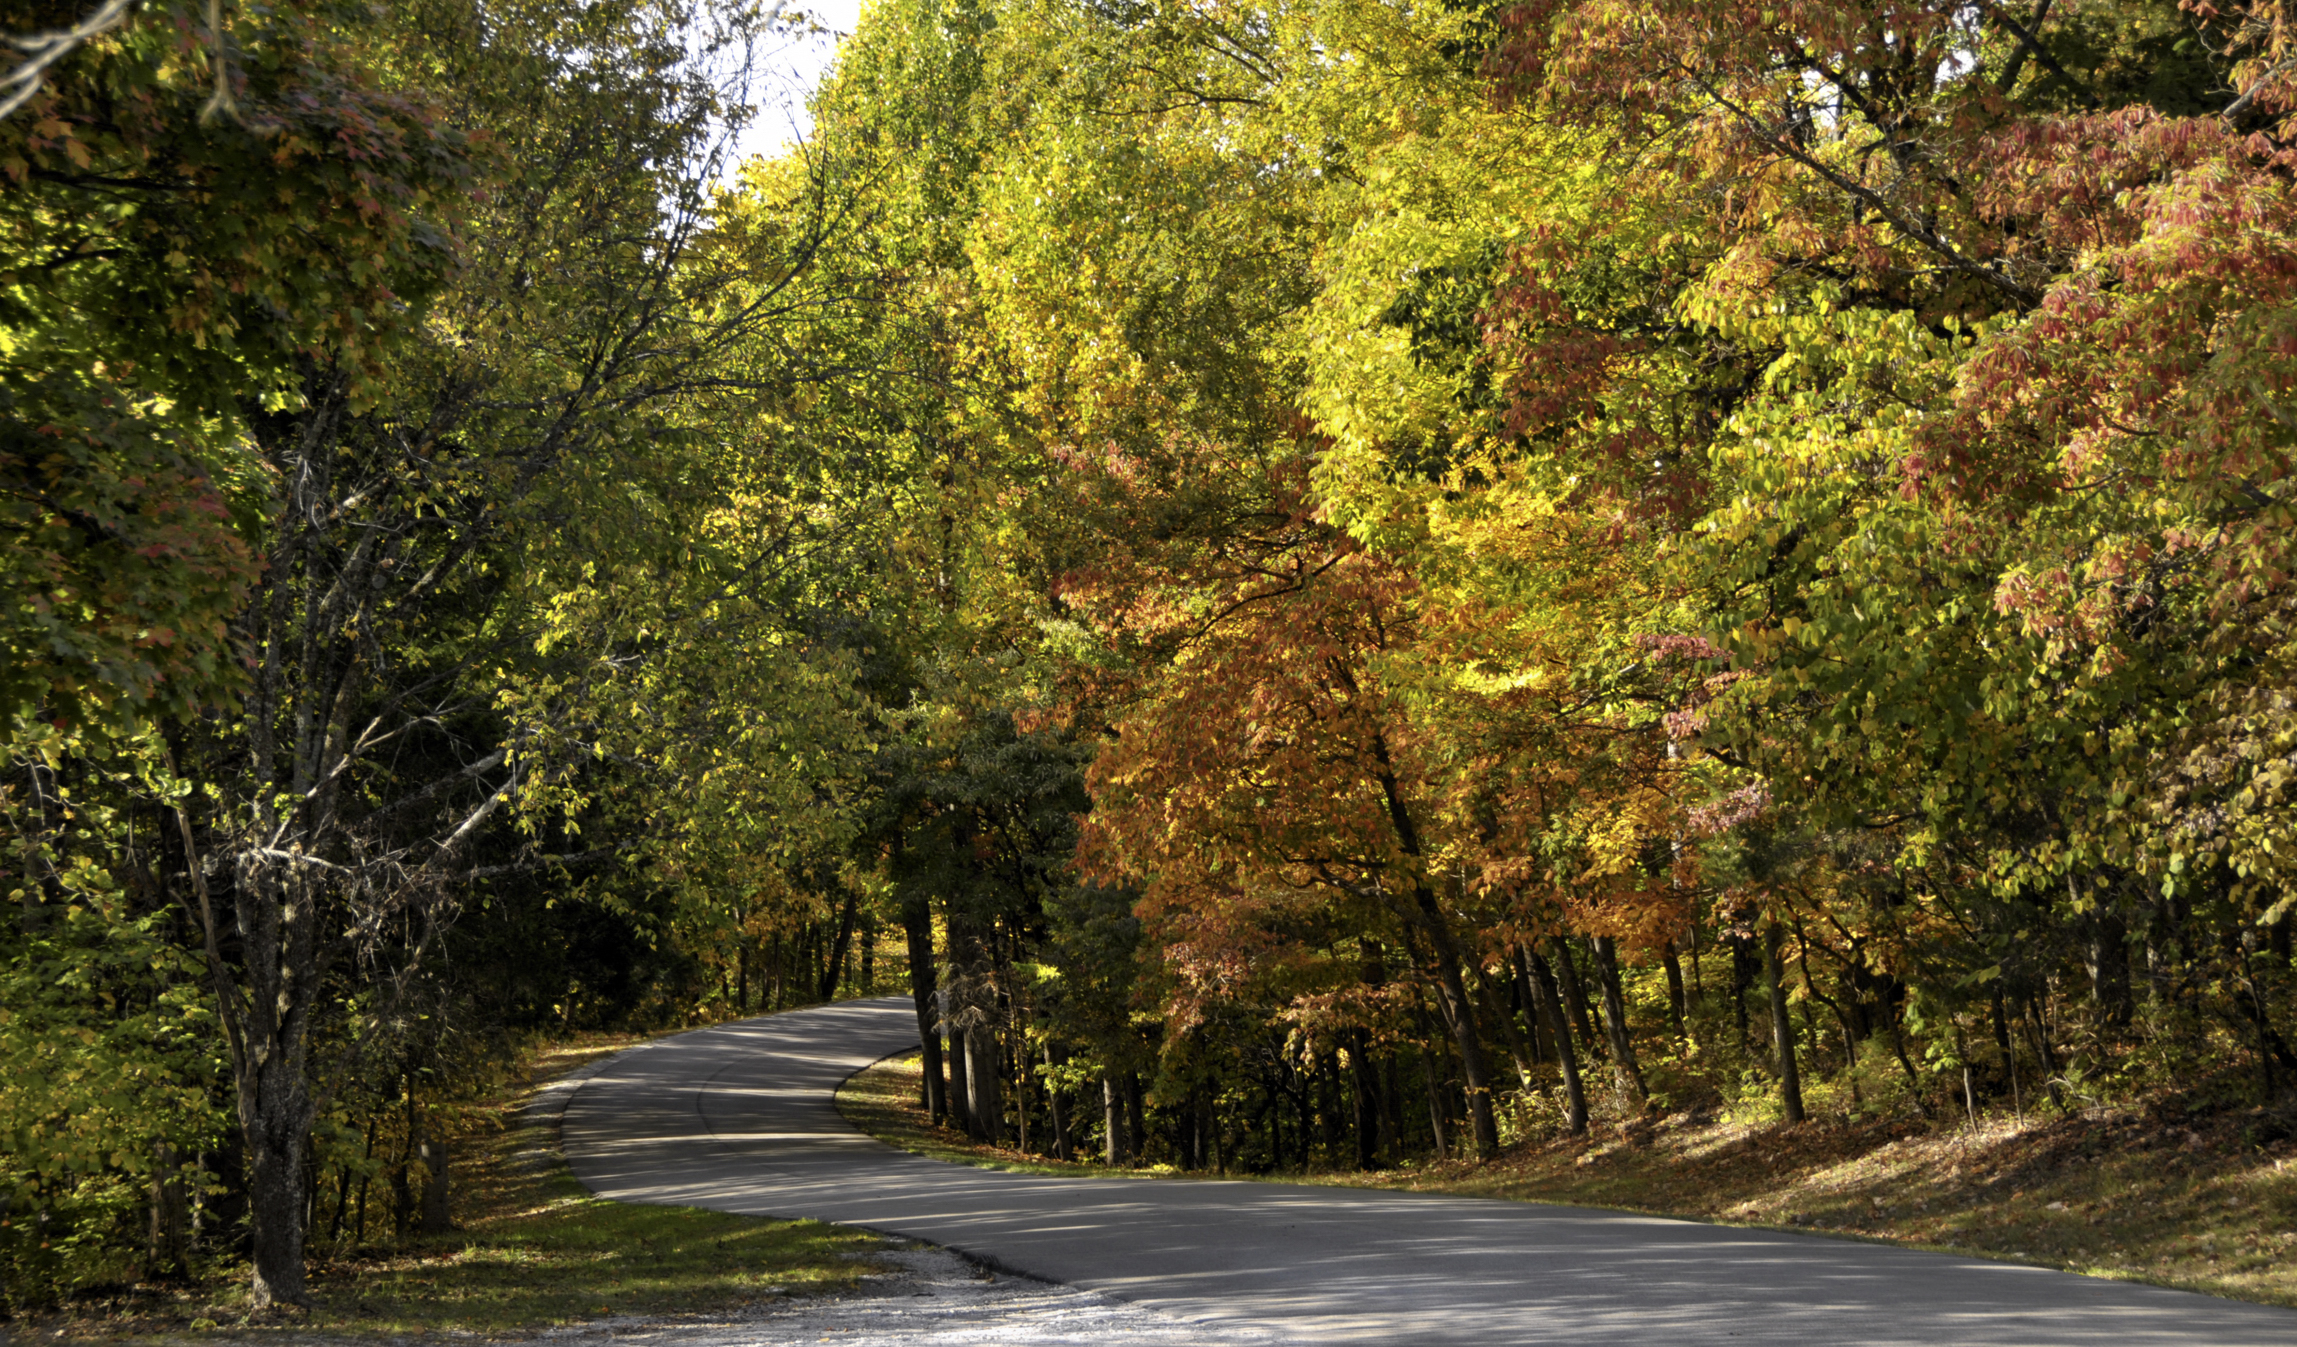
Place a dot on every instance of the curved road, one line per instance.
(739, 1118)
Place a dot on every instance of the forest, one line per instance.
(1324, 584)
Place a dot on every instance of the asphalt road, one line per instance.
(739, 1118)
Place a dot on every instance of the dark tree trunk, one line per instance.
(2044, 1049)
(917, 924)
(987, 1077)
(1575, 1001)
(1460, 1020)
(1392, 1102)
(1527, 1004)
(1053, 1112)
(1745, 968)
(1676, 1005)
(1136, 1121)
(2109, 967)
(1459, 1015)
(170, 1253)
(835, 967)
(1782, 1027)
(960, 1089)
(1367, 1101)
(1559, 1031)
(1118, 1148)
(275, 1119)
(1625, 1069)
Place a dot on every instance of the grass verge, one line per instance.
(2203, 1203)
(531, 1250)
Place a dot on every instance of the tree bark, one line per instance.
(1559, 1031)
(1118, 1149)
(1676, 1006)
(1782, 1027)
(1625, 1069)
(960, 1089)
(1459, 1018)
(1459, 1015)
(987, 1079)
(1053, 1112)
(917, 924)
(1392, 1103)
(833, 971)
(1136, 1124)
(1367, 1100)
(2108, 964)
(1574, 992)
(170, 1254)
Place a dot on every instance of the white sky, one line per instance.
(791, 74)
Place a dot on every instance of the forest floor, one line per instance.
(531, 1251)
(2203, 1201)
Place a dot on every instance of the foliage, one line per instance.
(1717, 556)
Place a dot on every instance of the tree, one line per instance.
(429, 510)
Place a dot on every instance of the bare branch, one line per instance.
(42, 50)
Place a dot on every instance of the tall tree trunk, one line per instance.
(2044, 1049)
(1574, 992)
(917, 924)
(986, 1074)
(1020, 1066)
(1625, 1069)
(1745, 967)
(1136, 1120)
(831, 973)
(2109, 967)
(1559, 1031)
(966, 993)
(1526, 1003)
(1367, 1100)
(170, 1253)
(1459, 1015)
(960, 1085)
(275, 1107)
(1392, 1102)
(1053, 1112)
(1460, 1019)
(1118, 1148)
(1782, 1026)
(1677, 1009)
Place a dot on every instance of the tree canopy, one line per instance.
(1358, 581)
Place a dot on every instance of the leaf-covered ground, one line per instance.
(2205, 1202)
(531, 1250)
